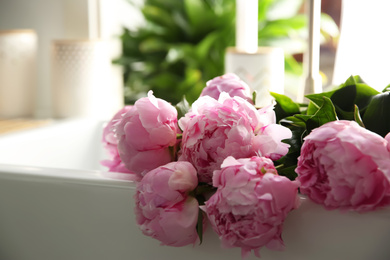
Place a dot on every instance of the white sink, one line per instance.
(56, 204)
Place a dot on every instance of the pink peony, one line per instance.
(387, 138)
(229, 126)
(345, 166)
(164, 210)
(146, 133)
(229, 83)
(114, 163)
(251, 204)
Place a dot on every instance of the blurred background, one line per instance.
(170, 46)
(67, 19)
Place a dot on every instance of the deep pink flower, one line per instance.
(164, 210)
(114, 162)
(345, 166)
(146, 133)
(250, 204)
(229, 83)
(229, 126)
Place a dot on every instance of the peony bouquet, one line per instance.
(225, 163)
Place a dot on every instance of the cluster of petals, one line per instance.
(345, 166)
(145, 134)
(230, 126)
(164, 210)
(229, 83)
(114, 162)
(250, 204)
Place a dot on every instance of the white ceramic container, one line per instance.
(262, 70)
(83, 83)
(55, 203)
(17, 73)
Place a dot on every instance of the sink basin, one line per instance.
(56, 202)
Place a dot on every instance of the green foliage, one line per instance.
(357, 117)
(182, 107)
(377, 116)
(199, 226)
(201, 192)
(352, 100)
(353, 92)
(182, 44)
(284, 106)
(326, 113)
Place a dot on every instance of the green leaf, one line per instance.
(377, 116)
(344, 115)
(204, 46)
(194, 10)
(181, 21)
(353, 80)
(263, 9)
(287, 164)
(292, 120)
(288, 171)
(284, 106)
(312, 108)
(199, 226)
(292, 65)
(318, 99)
(165, 4)
(344, 97)
(325, 114)
(283, 27)
(182, 107)
(352, 92)
(152, 45)
(158, 16)
(364, 93)
(357, 117)
(386, 89)
(201, 192)
(303, 118)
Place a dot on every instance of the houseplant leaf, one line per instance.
(377, 115)
(284, 106)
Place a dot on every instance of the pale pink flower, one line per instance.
(114, 162)
(250, 204)
(164, 210)
(146, 134)
(230, 126)
(229, 83)
(345, 166)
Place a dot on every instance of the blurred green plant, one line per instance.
(182, 43)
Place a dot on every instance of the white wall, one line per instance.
(364, 45)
